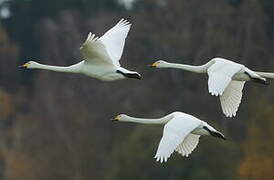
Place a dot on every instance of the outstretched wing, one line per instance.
(188, 145)
(220, 75)
(114, 40)
(231, 98)
(94, 51)
(175, 131)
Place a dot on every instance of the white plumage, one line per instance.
(114, 40)
(181, 133)
(225, 79)
(220, 75)
(109, 47)
(174, 136)
(101, 56)
(231, 98)
(188, 145)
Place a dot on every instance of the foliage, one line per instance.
(56, 126)
(133, 159)
(258, 149)
(9, 53)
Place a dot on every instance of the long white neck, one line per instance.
(162, 120)
(196, 69)
(72, 69)
(266, 74)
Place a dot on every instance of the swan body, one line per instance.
(101, 56)
(181, 133)
(226, 79)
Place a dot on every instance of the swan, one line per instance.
(181, 133)
(101, 56)
(226, 79)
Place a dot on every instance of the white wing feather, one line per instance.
(220, 75)
(231, 98)
(94, 51)
(114, 40)
(188, 145)
(175, 131)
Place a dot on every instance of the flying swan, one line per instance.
(181, 133)
(226, 79)
(101, 56)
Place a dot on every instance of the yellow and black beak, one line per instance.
(154, 64)
(115, 119)
(24, 65)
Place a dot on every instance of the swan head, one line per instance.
(159, 64)
(30, 65)
(120, 117)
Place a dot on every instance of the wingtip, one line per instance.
(213, 93)
(228, 115)
(124, 22)
(161, 159)
(91, 37)
(89, 34)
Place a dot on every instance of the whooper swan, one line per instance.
(226, 79)
(181, 133)
(101, 56)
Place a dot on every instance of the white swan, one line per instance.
(225, 79)
(101, 56)
(181, 133)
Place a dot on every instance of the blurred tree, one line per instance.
(60, 125)
(8, 85)
(258, 148)
(8, 53)
(25, 14)
(191, 33)
(133, 159)
(268, 8)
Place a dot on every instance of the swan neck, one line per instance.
(73, 68)
(162, 120)
(266, 74)
(196, 69)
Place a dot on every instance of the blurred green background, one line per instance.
(56, 126)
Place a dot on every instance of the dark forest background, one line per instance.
(57, 126)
